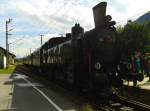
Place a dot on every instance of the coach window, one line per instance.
(57, 54)
(59, 58)
(48, 52)
(54, 59)
(47, 56)
(50, 61)
(50, 56)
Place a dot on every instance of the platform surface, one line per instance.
(145, 84)
(22, 93)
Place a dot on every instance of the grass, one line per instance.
(8, 70)
(87, 108)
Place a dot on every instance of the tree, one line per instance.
(132, 37)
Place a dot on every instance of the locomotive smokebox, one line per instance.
(99, 13)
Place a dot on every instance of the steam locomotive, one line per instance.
(85, 60)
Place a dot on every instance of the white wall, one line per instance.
(4, 61)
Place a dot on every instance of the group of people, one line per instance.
(136, 67)
(140, 66)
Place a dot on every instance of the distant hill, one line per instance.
(144, 18)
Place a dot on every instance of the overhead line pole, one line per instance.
(6, 44)
(41, 50)
(41, 39)
(7, 47)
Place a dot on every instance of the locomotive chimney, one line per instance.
(99, 13)
(77, 30)
(68, 35)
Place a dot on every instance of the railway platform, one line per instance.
(19, 92)
(5, 93)
(145, 84)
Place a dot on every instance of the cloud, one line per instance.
(34, 17)
(58, 15)
(22, 46)
(61, 15)
(132, 9)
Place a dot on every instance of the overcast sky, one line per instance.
(55, 17)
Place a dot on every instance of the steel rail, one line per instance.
(134, 104)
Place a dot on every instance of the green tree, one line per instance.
(133, 36)
(147, 45)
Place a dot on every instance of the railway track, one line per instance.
(118, 103)
(131, 103)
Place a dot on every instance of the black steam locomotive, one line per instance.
(85, 60)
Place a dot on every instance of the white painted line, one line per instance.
(7, 109)
(44, 95)
(28, 85)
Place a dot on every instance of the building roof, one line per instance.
(8, 52)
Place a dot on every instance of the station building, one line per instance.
(3, 61)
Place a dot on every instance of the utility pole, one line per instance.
(41, 50)
(7, 47)
(41, 39)
(30, 50)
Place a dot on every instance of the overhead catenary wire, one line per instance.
(134, 16)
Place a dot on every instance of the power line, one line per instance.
(129, 18)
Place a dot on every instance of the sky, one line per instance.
(52, 18)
